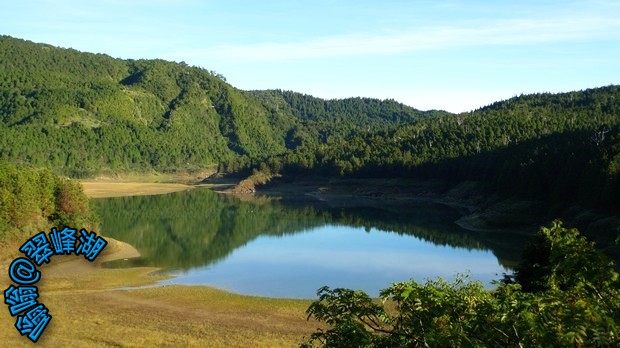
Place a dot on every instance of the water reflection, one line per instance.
(289, 246)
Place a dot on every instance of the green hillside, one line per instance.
(544, 146)
(533, 158)
(506, 139)
(82, 113)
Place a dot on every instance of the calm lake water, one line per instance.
(291, 246)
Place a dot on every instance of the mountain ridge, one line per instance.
(84, 114)
(200, 119)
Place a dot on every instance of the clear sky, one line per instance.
(451, 55)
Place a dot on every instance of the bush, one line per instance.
(569, 297)
(35, 199)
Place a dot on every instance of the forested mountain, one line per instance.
(326, 118)
(550, 155)
(557, 146)
(82, 113)
(526, 160)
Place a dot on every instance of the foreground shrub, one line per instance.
(565, 293)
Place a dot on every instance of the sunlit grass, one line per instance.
(108, 189)
(87, 311)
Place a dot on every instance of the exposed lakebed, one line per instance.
(289, 246)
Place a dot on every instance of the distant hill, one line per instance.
(82, 113)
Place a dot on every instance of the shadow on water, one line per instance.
(184, 230)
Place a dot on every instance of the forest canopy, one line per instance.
(37, 199)
(82, 114)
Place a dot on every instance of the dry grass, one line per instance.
(181, 177)
(87, 311)
(116, 189)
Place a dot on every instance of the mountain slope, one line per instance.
(83, 113)
(535, 158)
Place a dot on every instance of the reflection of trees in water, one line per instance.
(195, 228)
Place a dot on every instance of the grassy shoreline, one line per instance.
(94, 189)
(88, 309)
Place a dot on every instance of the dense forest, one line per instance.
(37, 199)
(554, 155)
(556, 146)
(83, 114)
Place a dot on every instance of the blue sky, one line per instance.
(452, 55)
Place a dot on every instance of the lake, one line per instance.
(290, 246)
